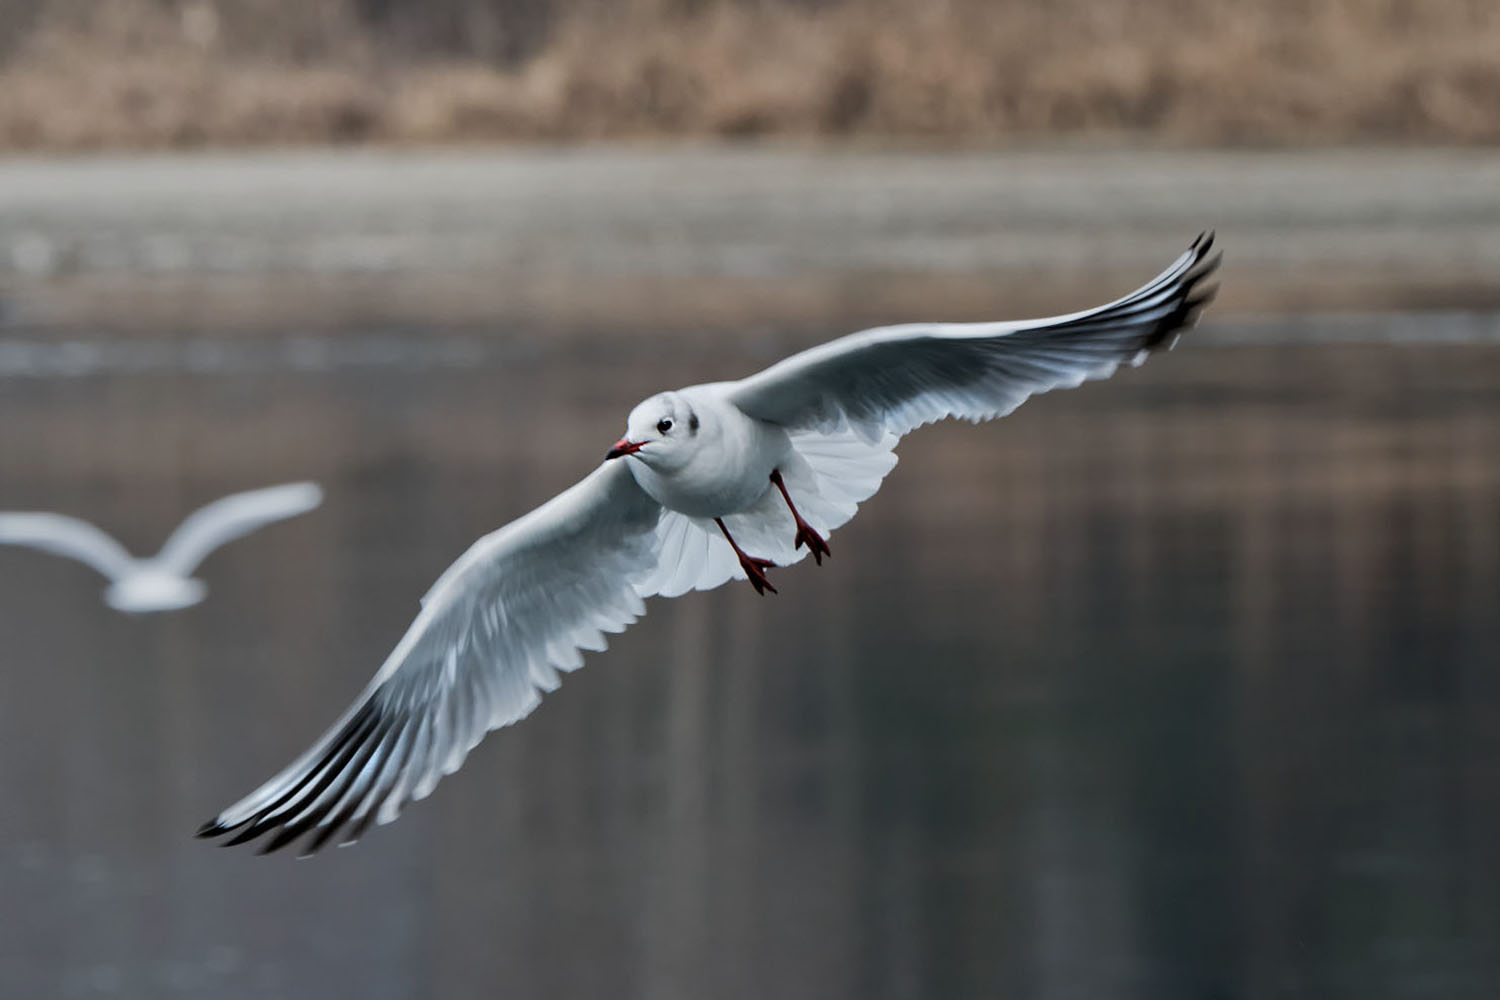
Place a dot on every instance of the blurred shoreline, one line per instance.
(695, 235)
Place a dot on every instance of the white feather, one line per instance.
(524, 601)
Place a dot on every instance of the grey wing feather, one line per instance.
(893, 379)
(66, 536)
(492, 635)
(231, 517)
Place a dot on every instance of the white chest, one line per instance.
(727, 473)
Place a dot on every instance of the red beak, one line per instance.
(624, 447)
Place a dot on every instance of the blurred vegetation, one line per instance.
(79, 74)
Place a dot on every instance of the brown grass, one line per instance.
(77, 74)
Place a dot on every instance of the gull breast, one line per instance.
(729, 471)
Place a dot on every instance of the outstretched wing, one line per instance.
(231, 517)
(893, 379)
(66, 536)
(523, 602)
(492, 635)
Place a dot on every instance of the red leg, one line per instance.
(816, 544)
(754, 567)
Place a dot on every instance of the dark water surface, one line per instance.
(1183, 686)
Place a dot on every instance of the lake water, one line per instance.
(1183, 686)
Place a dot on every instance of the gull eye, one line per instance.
(663, 425)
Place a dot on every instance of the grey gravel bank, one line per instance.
(705, 234)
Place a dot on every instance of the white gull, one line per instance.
(710, 483)
(162, 582)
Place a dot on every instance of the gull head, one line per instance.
(662, 432)
(148, 591)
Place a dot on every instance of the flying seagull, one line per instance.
(710, 483)
(162, 582)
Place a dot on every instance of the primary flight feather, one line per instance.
(711, 482)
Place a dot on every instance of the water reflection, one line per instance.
(1178, 686)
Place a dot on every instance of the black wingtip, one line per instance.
(284, 836)
(276, 843)
(211, 829)
(249, 833)
(1202, 297)
(1193, 296)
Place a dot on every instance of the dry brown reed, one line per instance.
(76, 74)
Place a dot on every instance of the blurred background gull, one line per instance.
(1180, 686)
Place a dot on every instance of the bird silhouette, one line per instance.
(162, 582)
